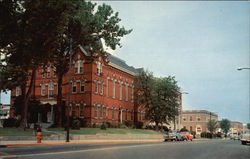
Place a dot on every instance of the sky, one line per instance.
(200, 43)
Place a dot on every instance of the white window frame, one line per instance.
(120, 84)
(18, 91)
(51, 89)
(96, 86)
(113, 89)
(96, 111)
(43, 89)
(126, 92)
(82, 83)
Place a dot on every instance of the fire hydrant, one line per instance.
(39, 136)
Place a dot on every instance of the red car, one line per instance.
(187, 135)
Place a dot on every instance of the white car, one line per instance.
(245, 138)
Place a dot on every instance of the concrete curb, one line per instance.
(77, 142)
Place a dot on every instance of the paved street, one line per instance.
(214, 149)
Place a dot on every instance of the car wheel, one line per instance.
(243, 142)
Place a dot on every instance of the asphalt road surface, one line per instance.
(211, 149)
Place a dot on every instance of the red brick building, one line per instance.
(101, 90)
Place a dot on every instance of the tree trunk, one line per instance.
(156, 126)
(26, 101)
(59, 101)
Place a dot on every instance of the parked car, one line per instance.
(170, 136)
(235, 136)
(187, 135)
(245, 138)
(174, 136)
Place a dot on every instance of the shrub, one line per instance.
(183, 129)
(139, 125)
(129, 124)
(75, 124)
(11, 122)
(103, 126)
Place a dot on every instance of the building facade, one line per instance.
(196, 120)
(95, 90)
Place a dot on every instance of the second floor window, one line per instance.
(101, 111)
(113, 89)
(101, 91)
(126, 89)
(51, 89)
(18, 91)
(120, 91)
(43, 90)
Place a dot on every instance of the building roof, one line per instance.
(117, 63)
(198, 112)
(121, 64)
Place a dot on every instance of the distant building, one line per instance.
(196, 120)
(236, 127)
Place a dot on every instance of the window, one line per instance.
(98, 68)
(48, 72)
(120, 91)
(43, 90)
(191, 119)
(74, 87)
(101, 111)
(54, 71)
(96, 86)
(101, 91)
(113, 89)
(126, 114)
(96, 110)
(107, 112)
(191, 128)
(126, 89)
(81, 110)
(51, 89)
(198, 118)
(132, 94)
(184, 119)
(107, 89)
(18, 91)
(43, 73)
(132, 115)
(113, 113)
(79, 67)
(82, 86)
(74, 110)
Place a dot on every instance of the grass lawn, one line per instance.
(93, 131)
(18, 132)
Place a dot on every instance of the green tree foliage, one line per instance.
(212, 125)
(225, 125)
(248, 125)
(159, 96)
(28, 39)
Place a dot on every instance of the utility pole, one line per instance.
(69, 88)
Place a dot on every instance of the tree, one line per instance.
(159, 96)
(225, 125)
(212, 125)
(28, 30)
(84, 25)
(248, 125)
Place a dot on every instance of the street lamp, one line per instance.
(243, 68)
(179, 114)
